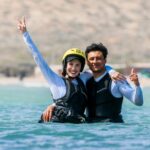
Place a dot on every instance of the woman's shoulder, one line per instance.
(85, 75)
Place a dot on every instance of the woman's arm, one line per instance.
(56, 83)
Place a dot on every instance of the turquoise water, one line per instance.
(21, 107)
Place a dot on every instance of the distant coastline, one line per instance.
(37, 79)
(122, 27)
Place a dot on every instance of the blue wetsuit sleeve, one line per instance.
(109, 69)
(123, 88)
(55, 82)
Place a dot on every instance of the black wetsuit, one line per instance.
(71, 107)
(102, 105)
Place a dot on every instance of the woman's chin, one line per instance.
(73, 75)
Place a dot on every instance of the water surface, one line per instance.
(20, 110)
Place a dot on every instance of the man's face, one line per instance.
(96, 61)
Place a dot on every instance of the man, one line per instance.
(105, 96)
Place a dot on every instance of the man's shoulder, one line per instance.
(85, 76)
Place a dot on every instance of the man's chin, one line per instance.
(97, 71)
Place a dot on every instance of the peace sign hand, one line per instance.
(22, 25)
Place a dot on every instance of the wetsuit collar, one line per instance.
(100, 77)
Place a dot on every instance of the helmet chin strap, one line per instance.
(71, 78)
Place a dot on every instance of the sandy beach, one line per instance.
(28, 81)
(39, 81)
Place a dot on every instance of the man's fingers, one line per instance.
(118, 76)
(44, 117)
(47, 117)
(133, 71)
(50, 115)
(122, 77)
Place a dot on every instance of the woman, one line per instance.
(68, 92)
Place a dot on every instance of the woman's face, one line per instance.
(73, 68)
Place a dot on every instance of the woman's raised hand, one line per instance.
(22, 25)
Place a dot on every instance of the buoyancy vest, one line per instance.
(101, 103)
(71, 107)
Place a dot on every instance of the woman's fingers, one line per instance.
(22, 25)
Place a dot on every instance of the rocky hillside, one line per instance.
(55, 26)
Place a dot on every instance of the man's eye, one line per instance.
(91, 59)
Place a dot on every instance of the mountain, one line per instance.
(55, 26)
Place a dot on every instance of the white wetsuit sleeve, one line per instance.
(123, 88)
(55, 82)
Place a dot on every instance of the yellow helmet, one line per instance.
(73, 53)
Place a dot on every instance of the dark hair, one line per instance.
(96, 47)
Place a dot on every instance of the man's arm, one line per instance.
(86, 75)
(134, 94)
(115, 75)
(47, 114)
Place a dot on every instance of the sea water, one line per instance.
(20, 110)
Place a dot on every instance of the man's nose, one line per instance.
(94, 60)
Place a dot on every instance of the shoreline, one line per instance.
(27, 81)
(34, 81)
